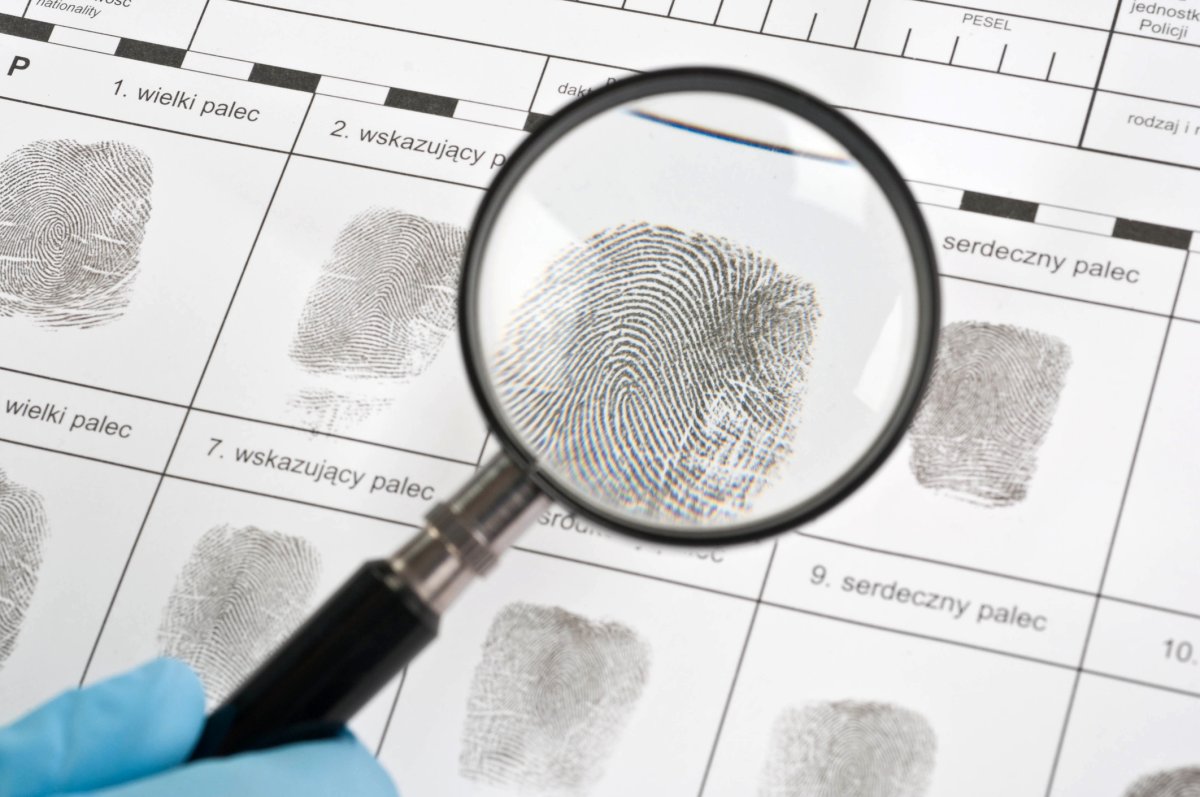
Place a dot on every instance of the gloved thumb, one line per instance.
(118, 730)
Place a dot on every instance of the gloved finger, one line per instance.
(311, 769)
(118, 730)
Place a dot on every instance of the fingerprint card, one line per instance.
(219, 579)
(816, 712)
(548, 683)
(120, 247)
(66, 529)
(346, 320)
(1129, 741)
(1017, 458)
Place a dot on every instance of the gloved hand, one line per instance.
(129, 737)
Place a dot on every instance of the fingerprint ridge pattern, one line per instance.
(549, 699)
(386, 299)
(661, 370)
(849, 748)
(987, 410)
(23, 533)
(241, 591)
(1183, 782)
(72, 220)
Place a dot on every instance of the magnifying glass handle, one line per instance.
(376, 622)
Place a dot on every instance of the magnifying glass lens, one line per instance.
(697, 312)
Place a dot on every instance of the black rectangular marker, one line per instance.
(150, 53)
(1147, 233)
(419, 101)
(1000, 206)
(534, 121)
(284, 78)
(25, 28)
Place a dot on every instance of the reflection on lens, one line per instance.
(662, 369)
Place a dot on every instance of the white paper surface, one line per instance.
(1047, 642)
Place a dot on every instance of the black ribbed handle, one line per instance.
(327, 670)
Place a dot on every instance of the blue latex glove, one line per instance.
(129, 737)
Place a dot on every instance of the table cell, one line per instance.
(818, 702)
(985, 41)
(1047, 259)
(928, 599)
(314, 469)
(424, 143)
(1127, 739)
(1177, 21)
(565, 81)
(1018, 466)
(439, 66)
(1147, 645)
(696, 10)
(98, 424)
(66, 528)
(1152, 69)
(1160, 131)
(744, 14)
(648, 6)
(1157, 545)
(737, 570)
(826, 21)
(170, 23)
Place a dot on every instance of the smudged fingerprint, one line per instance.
(988, 407)
(549, 698)
(664, 369)
(239, 594)
(72, 220)
(23, 533)
(381, 310)
(1171, 783)
(849, 749)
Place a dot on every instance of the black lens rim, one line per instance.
(808, 107)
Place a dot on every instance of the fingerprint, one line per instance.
(72, 219)
(326, 410)
(663, 369)
(550, 696)
(386, 299)
(1172, 783)
(23, 532)
(989, 404)
(239, 594)
(849, 749)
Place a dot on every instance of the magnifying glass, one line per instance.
(697, 306)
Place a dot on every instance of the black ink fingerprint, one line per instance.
(326, 410)
(23, 532)
(386, 299)
(1171, 783)
(989, 405)
(239, 594)
(849, 749)
(549, 698)
(664, 369)
(72, 219)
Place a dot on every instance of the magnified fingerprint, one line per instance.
(849, 749)
(239, 594)
(663, 369)
(988, 407)
(550, 696)
(72, 219)
(1171, 783)
(385, 301)
(23, 532)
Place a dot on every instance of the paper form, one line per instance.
(1030, 627)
